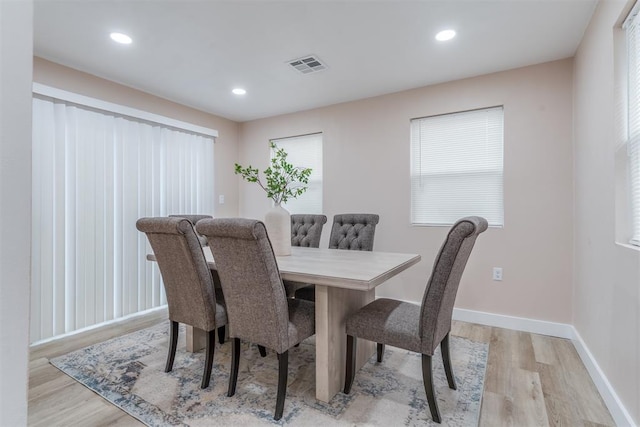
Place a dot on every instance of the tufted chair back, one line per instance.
(306, 230)
(353, 231)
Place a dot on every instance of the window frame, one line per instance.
(314, 173)
(631, 27)
(419, 145)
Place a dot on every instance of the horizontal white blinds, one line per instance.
(633, 144)
(306, 152)
(457, 167)
(94, 175)
(634, 162)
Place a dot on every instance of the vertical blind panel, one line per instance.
(94, 175)
(306, 152)
(633, 123)
(457, 167)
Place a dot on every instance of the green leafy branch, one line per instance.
(283, 181)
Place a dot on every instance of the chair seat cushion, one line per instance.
(387, 321)
(302, 320)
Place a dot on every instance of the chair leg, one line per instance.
(283, 372)
(446, 360)
(262, 350)
(208, 361)
(173, 343)
(428, 388)
(221, 334)
(235, 361)
(380, 351)
(350, 371)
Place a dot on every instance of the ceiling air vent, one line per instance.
(308, 64)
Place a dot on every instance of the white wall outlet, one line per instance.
(221, 199)
(497, 273)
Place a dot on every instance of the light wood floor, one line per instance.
(532, 380)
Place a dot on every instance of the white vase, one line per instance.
(278, 223)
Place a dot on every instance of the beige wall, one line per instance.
(607, 276)
(226, 146)
(366, 169)
(16, 50)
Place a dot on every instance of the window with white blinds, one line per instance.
(94, 174)
(632, 26)
(456, 167)
(305, 151)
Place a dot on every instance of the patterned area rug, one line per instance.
(129, 372)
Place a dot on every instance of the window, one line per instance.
(94, 174)
(456, 167)
(305, 151)
(632, 26)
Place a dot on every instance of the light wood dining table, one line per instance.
(344, 282)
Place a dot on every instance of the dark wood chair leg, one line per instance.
(208, 361)
(173, 343)
(235, 361)
(350, 371)
(262, 350)
(428, 388)
(380, 351)
(283, 372)
(222, 330)
(446, 360)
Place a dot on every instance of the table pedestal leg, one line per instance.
(333, 305)
(196, 339)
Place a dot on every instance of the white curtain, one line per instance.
(305, 151)
(94, 174)
(457, 167)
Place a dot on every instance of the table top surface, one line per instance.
(342, 268)
(361, 270)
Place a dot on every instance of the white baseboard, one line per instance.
(542, 327)
(156, 312)
(618, 411)
(562, 330)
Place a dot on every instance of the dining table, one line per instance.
(344, 282)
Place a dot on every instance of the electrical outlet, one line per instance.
(221, 199)
(497, 274)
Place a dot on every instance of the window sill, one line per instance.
(629, 246)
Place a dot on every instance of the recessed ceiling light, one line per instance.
(239, 91)
(445, 35)
(120, 38)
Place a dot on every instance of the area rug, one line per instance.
(129, 372)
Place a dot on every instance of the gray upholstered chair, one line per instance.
(306, 231)
(188, 284)
(258, 309)
(193, 219)
(353, 232)
(419, 328)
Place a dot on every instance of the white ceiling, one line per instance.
(195, 52)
